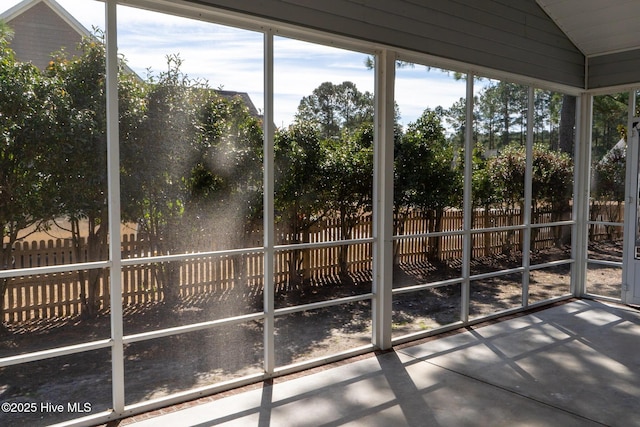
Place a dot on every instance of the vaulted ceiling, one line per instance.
(587, 44)
(597, 27)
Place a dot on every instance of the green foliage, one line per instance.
(609, 122)
(506, 174)
(191, 159)
(334, 109)
(324, 166)
(78, 165)
(609, 176)
(164, 142)
(28, 111)
(456, 118)
(299, 188)
(228, 148)
(481, 188)
(425, 176)
(81, 165)
(324, 162)
(298, 178)
(552, 183)
(206, 163)
(348, 175)
(552, 177)
(32, 118)
(501, 107)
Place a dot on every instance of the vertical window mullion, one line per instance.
(269, 219)
(582, 183)
(113, 198)
(528, 197)
(467, 202)
(631, 204)
(383, 199)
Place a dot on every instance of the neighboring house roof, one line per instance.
(229, 94)
(41, 28)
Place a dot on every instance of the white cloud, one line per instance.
(232, 58)
(419, 88)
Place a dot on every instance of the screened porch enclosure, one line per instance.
(183, 237)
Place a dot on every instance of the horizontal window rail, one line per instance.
(161, 333)
(55, 352)
(552, 264)
(315, 245)
(605, 262)
(425, 286)
(189, 256)
(53, 269)
(322, 304)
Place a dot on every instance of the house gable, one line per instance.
(41, 28)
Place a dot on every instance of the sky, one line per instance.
(231, 59)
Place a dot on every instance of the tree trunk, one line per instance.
(567, 124)
(435, 242)
(343, 251)
(96, 250)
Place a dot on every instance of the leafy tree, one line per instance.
(501, 106)
(80, 166)
(506, 172)
(299, 188)
(608, 186)
(489, 116)
(609, 122)
(229, 153)
(162, 167)
(225, 186)
(425, 176)
(456, 118)
(201, 187)
(335, 108)
(28, 116)
(482, 193)
(348, 169)
(324, 165)
(506, 175)
(481, 190)
(552, 179)
(609, 176)
(552, 187)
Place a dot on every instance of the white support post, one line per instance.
(528, 198)
(113, 170)
(630, 205)
(383, 199)
(467, 206)
(582, 172)
(269, 220)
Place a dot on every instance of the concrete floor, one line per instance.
(576, 364)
